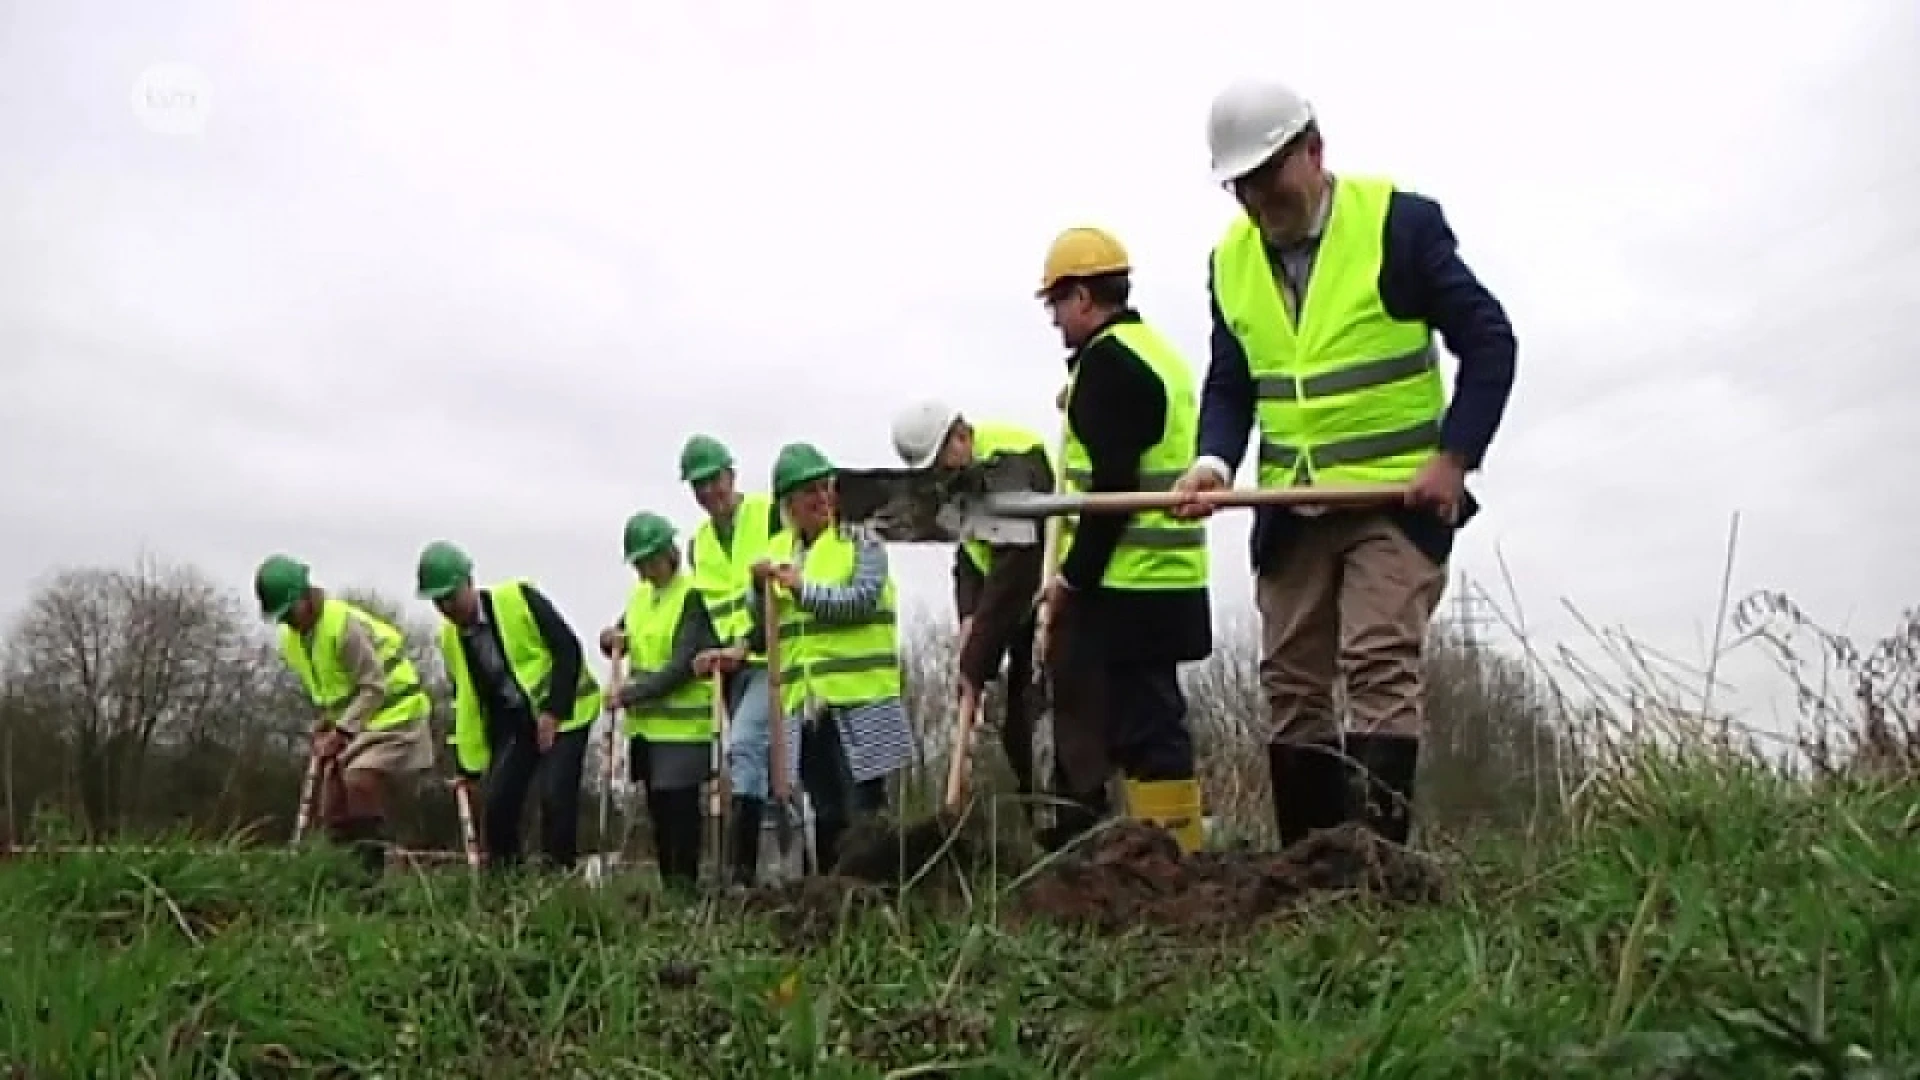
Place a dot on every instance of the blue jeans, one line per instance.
(748, 764)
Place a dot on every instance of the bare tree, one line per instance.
(123, 659)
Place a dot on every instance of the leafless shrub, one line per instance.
(1857, 707)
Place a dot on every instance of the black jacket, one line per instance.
(510, 717)
(1118, 412)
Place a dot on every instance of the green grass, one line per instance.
(1703, 920)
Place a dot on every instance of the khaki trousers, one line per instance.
(1349, 597)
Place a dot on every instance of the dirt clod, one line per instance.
(808, 912)
(679, 974)
(1134, 877)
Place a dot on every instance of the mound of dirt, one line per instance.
(1134, 877)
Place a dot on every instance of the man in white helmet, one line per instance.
(1346, 391)
(994, 585)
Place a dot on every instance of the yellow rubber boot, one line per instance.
(1174, 805)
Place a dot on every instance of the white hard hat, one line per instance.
(920, 430)
(1249, 121)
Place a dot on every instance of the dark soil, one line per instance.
(808, 912)
(1133, 877)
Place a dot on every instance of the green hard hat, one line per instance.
(797, 464)
(443, 568)
(648, 534)
(701, 457)
(279, 584)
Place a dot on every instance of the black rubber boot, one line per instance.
(1387, 767)
(363, 836)
(1311, 783)
(827, 831)
(1073, 817)
(744, 819)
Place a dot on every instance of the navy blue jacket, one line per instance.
(1422, 276)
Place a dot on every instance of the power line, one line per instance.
(1469, 617)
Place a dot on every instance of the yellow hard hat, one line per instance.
(1082, 252)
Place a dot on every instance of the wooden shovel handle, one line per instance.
(776, 718)
(960, 760)
(721, 789)
(1022, 504)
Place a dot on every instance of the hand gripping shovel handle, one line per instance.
(777, 785)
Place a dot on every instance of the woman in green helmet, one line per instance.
(669, 708)
(839, 649)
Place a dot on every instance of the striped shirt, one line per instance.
(876, 735)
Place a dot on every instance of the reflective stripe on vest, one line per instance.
(1351, 394)
(653, 616)
(1157, 550)
(723, 575)
(990, 439)
(532, 665)
(324, 675)
(839, 662)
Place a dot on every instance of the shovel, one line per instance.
(1024, 504)
(960, 765)
(777, 785)
(469, 837)
(309, 798)
(614, 671)
(1043, 623)
(720, 788)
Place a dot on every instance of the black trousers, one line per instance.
(1112, 712)
(517, 764)
(837, 799)
(1016, 730)
(1147, 733)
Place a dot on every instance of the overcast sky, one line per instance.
(475, 270)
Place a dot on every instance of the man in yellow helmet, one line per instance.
(1327, 293)
(523, 702)
(993, 584)
(372, 722)
(669, 707)
(1129, 603)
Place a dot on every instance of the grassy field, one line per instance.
(1693, 920)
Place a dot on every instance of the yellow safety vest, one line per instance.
(991, 439)
(724, 576)
(839, 663)
(1350, 394)
(531, 663)
(331, 685)
(653, 615)
(1158, 550)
